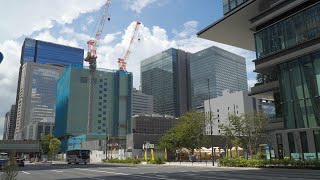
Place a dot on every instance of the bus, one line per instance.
(78, 156)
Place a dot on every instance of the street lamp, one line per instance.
(210, 116)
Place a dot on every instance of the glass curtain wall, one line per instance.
(289, 32)
(300, 89)
(229, 5)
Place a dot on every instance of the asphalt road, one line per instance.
(125, 172)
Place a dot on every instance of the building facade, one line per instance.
(37, 98)
(153, 124)
(166, 77)
(9, 123)
(141, 103)
(286, 38)
(112, 103)
(223, 69)
(42, 52)
(235, 103)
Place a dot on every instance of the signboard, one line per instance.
(148, 146)
(309, 156)
(295, 156)
(272, 154)
(1, 57)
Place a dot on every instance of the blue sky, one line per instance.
(166, 24)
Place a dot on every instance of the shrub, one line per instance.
(125, 161)
(240, 162)
(157, 160)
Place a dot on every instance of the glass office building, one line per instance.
(37, 98)
(223, 69)
(41, 52)
(112, 102)
(165, 77)
(286, 37)
(49, 53)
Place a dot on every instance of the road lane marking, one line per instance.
(25, 172)
(57, 171)
(150, 177)
(103, 171)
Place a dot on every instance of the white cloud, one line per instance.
(27, 17)
(46, 36)
(138, 5)
(189, 28)
(90, 20)
(9, 69)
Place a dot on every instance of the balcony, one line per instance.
(260, 88)
(275, 124)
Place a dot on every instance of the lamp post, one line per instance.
(210, 116)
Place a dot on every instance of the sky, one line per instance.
(165, 24)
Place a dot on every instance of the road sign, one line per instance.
(1, 57)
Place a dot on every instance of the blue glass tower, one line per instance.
(49, 53)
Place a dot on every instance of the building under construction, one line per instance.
(111, 104)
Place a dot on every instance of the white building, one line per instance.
(141, 103)
(235, 103)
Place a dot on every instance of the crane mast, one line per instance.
(92, 59)
(123, 61)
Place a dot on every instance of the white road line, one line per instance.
(153, 177)
(57, 171)
(25, 172)
(102, 171)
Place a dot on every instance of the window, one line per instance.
(105, 89)
(218, 115)
(217, 110)
(100, 109)
(99, 127)
(105, 95)
(101, 80)
(289, 32)
(316, 135)
(104, 118)
(228, 108)
(100, 97)
(219, 131)
(100, 86)
(99, 121)
(100, 103)
(104, 113)
(291, 142)
(100, 92)
(83, 79)
(99, 115)
(304, 142)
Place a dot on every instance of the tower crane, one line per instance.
(123, 61)
(92, 59)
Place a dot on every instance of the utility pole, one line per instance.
(210, 116)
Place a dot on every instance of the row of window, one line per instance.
(289, 32)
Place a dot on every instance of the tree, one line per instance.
(54, 146)
(245, 130)
(189, 133)
(10, 171)
(45, 141)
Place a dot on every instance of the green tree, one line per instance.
(45, 141)
(189, 133)
(54, 146)
(245, 130)
(10, 171)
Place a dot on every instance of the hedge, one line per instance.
(125, 161)
(287, 163)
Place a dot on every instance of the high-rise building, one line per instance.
(286, 38)
(141, 103)
(165, 76)
(42, 52)
(37, 97)
(223, 70)
(112, 102)
(10, 123)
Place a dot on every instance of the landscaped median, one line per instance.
(157, 160)
(274, 163)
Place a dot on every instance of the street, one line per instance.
(107, 171)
